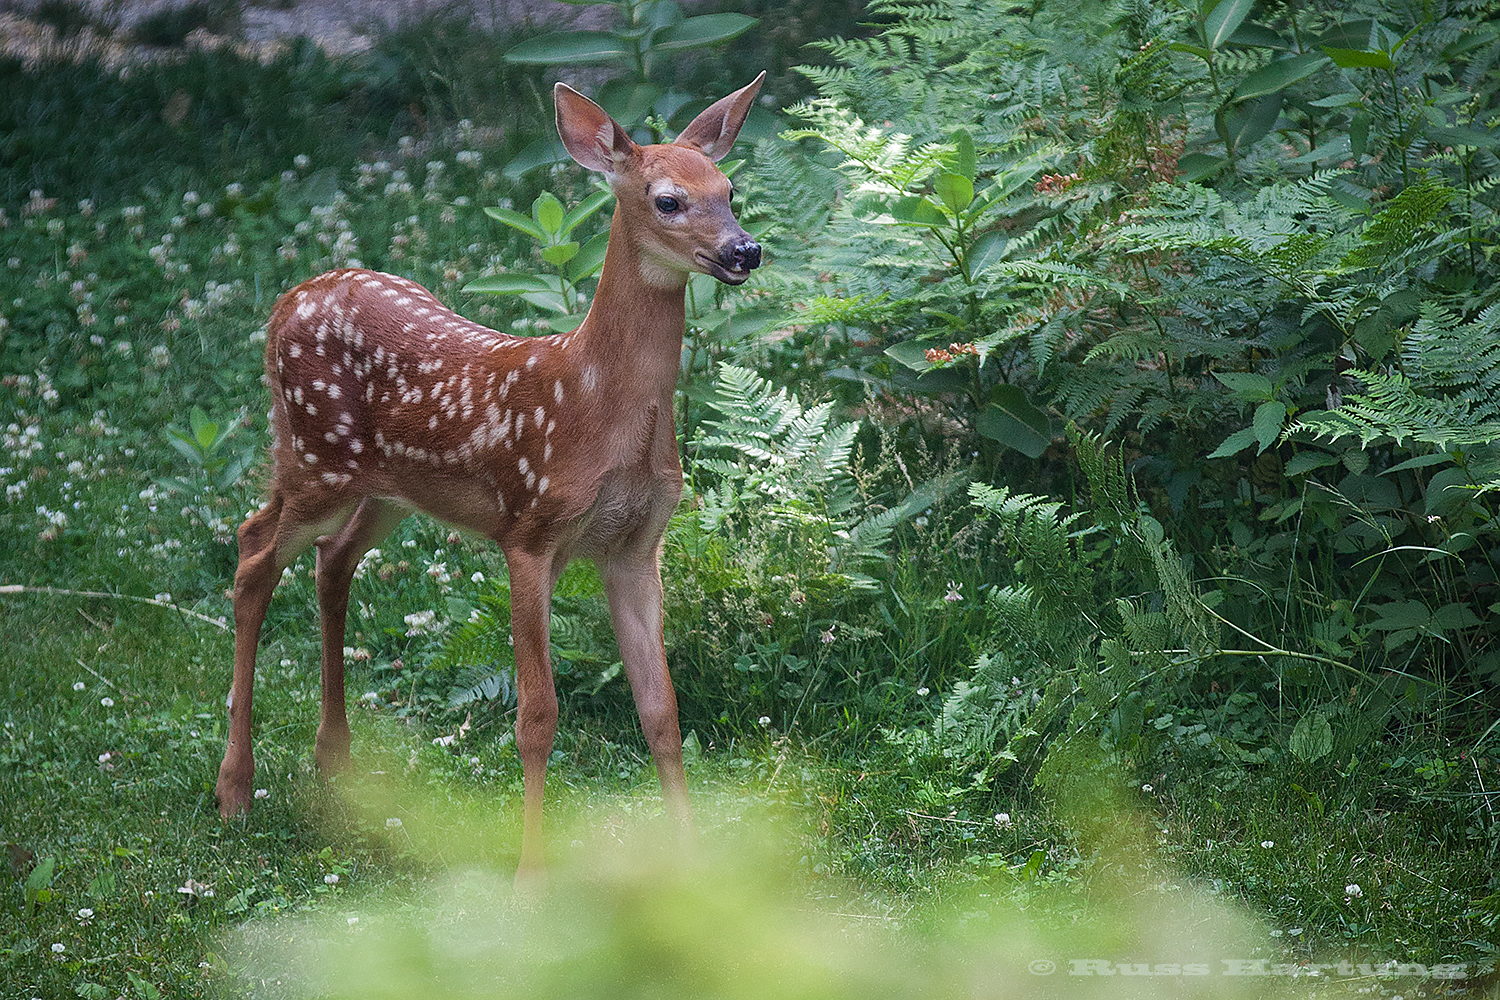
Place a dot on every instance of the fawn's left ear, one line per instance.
(714, 131)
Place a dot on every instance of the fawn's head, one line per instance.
(674, 201)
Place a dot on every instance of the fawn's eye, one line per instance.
(666, 203)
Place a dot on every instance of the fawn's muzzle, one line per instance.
(743, 256)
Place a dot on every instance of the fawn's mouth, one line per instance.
(718, 270)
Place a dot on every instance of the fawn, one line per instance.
(385, 401)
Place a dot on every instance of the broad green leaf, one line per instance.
(560, 254)
(1343, 100)
(706, 29)
(1401, 614)
(510, 284)
(912, 353)
(560, 48)
(1359, 133)
(1258, 36)
(955, 191)
(551, 301)
(914, 210)
(1306, 461)
(1453, 616)
(988, 249)
(1194, 50)
(627, 100)
(964, 161)
(1255, 119)
(583, 210)
(1234, 443)
(548, 212)
(1223, 19)
(1312, 738)
(1354, 34)
(516, 220)
(1200, 166)
(1269, 416)
(1279, 75)
(41, 875)
(1448, 491)
(565, 323)
(1420, 462)
(1249, 386)
(1474, 138)
(590, 258)
(1012, 420)
(658, 14)
(542, 153)
(184, 443)
(1355, 58)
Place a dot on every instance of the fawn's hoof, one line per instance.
(234, 790)
(331, 754)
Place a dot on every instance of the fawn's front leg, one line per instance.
(633, 586)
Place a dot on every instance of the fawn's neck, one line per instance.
(634, 327)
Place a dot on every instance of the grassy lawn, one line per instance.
(852, 841)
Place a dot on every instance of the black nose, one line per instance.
(743, 256)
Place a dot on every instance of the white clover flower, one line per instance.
(922, 692)
(1353, 890)
(104, 758)
(79, 685)
(419, 622)
(953, 592)
(1146, 788)
(330, 879)
(302, 161)
(261, 793)
(1268, 844)
(235, 189)
(393, 823)
(1002, 820)
(85, 913)
(58, 948)
(107, 702)
(764, 720)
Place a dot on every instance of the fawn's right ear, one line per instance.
(591, 136)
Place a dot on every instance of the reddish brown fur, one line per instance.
(384, 400)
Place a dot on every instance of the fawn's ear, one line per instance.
(715, 129)
(591, 136)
